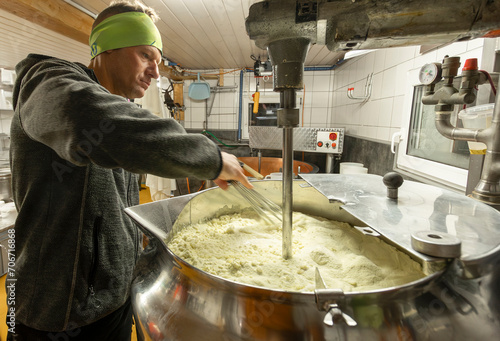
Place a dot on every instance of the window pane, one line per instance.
(424, 141)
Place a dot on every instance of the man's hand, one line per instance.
(231, 170)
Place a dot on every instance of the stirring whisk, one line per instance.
(259, 203)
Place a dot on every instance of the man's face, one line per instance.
(131, 69)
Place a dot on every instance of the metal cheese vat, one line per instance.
(174, 300)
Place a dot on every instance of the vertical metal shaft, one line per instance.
(287, 100)
(259, 156)
(287, 191)
(287, 57)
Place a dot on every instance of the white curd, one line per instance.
(242, 248)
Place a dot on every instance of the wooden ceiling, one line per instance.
(197, 34)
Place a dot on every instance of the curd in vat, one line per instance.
(242, 248)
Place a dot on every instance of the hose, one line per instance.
(225, 145)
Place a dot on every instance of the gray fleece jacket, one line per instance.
(74, 149)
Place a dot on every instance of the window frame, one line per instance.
(431, 172)
(427, 171)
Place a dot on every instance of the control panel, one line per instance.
(305, 139)
(330, 141)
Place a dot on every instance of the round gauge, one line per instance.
(430, 73)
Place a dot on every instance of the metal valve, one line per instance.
(392, 181)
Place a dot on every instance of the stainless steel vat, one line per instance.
(458, 300)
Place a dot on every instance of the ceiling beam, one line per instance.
(55, 15)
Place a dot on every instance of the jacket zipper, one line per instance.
(95, 255)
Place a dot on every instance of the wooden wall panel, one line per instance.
(19, 37)
(197, 34)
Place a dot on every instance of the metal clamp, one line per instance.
(336, 316)
(326, 300)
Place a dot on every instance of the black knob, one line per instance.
(392, 181)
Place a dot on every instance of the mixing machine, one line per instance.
(287, 28)
(455, 238)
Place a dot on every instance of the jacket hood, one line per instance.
(24, 67)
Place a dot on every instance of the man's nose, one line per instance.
(154, 71)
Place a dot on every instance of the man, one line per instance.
(76, 142)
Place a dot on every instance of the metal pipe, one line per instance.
(448, 130)
(325, 68)
(368, 90)
(488, 187)
(360, 25)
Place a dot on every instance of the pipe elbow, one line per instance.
(448, 130)
(443, 125)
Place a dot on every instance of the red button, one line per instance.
(334, 145)
(320, 144)
(333, 136)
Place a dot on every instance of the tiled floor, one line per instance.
(145, 197)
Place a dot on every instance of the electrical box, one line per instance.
(316, 140)
(330, 141)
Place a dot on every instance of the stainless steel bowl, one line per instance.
(175, 301)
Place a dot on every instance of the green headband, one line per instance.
(124, 30)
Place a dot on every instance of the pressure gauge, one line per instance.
(430, 73)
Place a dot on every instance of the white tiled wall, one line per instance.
(315, 101)
(7, 78)
(325, 101)
(225, 107)
(379, 116)
(5, 120)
